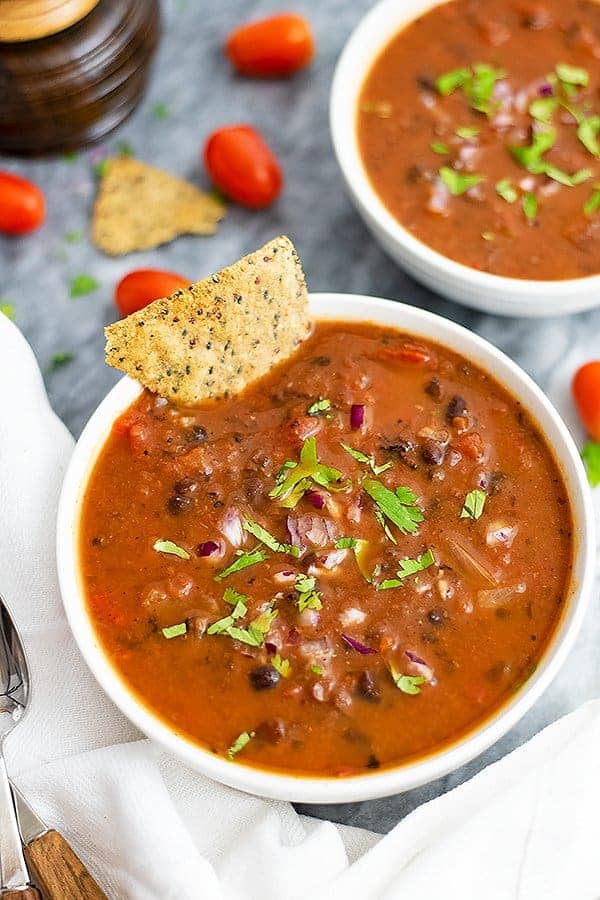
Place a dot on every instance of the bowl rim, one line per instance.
(376, 29)
(301, 788)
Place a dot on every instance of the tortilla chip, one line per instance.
(212, 339)
(139, 207)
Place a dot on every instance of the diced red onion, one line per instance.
(357, 645)
(231, 526)
(270, 648)
(439, 198)
(208, 548)
(293, 636)
(354, 511)
(314, 530)
(501, 534)
(421, 666)
(498, 596)
(317, 499)
(545, 90)
(357, 416)
(332, 560)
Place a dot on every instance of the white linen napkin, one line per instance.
(150, 829)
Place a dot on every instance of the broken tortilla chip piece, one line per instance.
(217, 336)
(139, 207)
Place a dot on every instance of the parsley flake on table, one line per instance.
(268, 540)
(361, 457)
(170, 548)
(74, 237)
(160, 111)
(591, 459)
(400, 507)
(408, 684)
(458, 183)
(243, 561)
(173, 631)
(291, 487)
(359, 547)
(83, 284)
(408, 567)
(61, 359)
(240, 742)
(473, 505)
(8, 310)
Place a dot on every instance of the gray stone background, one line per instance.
(193, 80)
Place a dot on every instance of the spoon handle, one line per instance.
(60, 873)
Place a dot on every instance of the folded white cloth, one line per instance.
(150, 829)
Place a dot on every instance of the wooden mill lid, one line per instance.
(27, 20)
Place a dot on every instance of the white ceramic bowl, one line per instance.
(389, 781)
(491, 293)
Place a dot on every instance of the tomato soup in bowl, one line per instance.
(467, 133)
(344, 582)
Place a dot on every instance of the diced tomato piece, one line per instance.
(586, 391)
(408, 352)
(471, 445)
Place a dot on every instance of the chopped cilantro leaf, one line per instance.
(171, 548)
(587, 132)
(439, 147)
(175, 630)
(456, 182)
(318, 407)
(308, 598)
(451, 80)
(239, 744)
(346, 543)
(467, 131)
(399, 507)
(408, 684)
(408, 567)
(473, 505)
(316, 670)
(243, 561)
(82, 285)
(591, 458)
(592, 204)
(358, 545)
(480, 88)
(543, 109)
(8, 310)
(361, 457)
(268, 540)
(298, 481)
(572, 75)
(505, 190)
(234, 597)
(60, 359)
(557, 174)
(530, 156)
(386, 530)
(282, 665)
(530, 205)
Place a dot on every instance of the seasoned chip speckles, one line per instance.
(204, 342)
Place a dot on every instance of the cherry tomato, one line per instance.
(243, 166)
(142, 286)
(22, 204)
(586, 391)
(277, 46)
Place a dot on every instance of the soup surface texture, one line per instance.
(478, 127)
(349, 565)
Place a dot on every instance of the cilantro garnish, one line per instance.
(530, 156)
(448, 82)
(316, 670)
(346, 543)
(572, 75)
(243, 561)
(439, 147)
(361, 457)
(239, 744)
(591, 458)
(289, 489)
(282, 665)
(82, 285)
(473, 505)
(530, 205)
(543, 109)
(234, 597)
(456, 182)
(309, 597)
(8, 310)
(358, 546)
(477, 83)
(408, 567)
(223, 625)
(318, 407)
(175, 630)
(60, 359)
(467, 131)
(171, 548)
(408, 684)
(593, 202)
(505, 190)
(587, 132)
(268, 540)
(254, 634)
(386, 530)
(400, 507)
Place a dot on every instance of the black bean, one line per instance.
(434, 389)
(197, 434)
(367, 686)
(432, 452)
(456, 407)
(405, 449)
(436, 617)
(263, 678)
(427, 82)
(372, 762)
(178, 503)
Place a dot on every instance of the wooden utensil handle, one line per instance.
(28, 893)
(59, 871)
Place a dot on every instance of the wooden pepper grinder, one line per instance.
(71, 70)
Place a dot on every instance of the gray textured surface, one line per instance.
(193, 79)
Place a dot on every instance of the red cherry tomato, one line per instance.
(586, 391)
(142, 286)
(22, 204)
(277, 46)
(243, 166)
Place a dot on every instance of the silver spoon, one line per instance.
(14, 694)
(57, 868)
